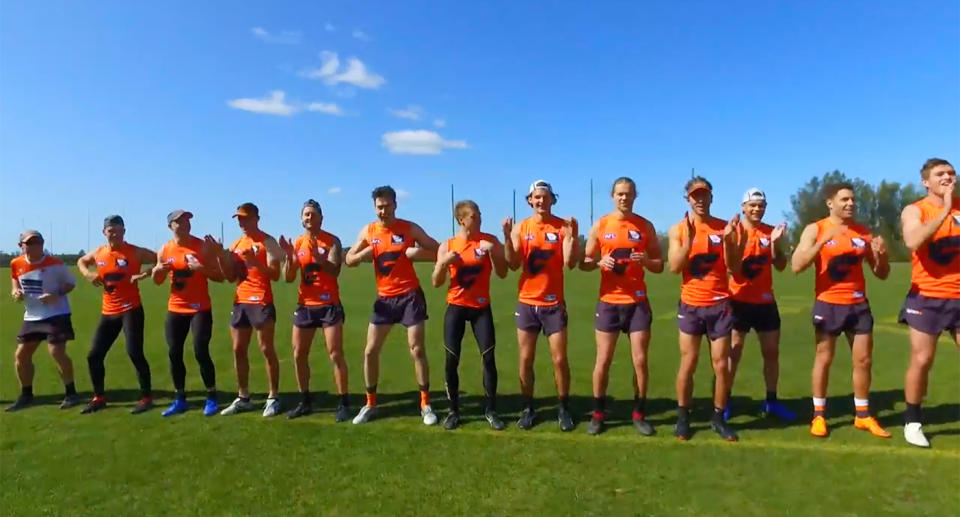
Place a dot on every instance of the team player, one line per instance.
(393, 244)
(188, 262)
(542, 245)
(253, 261)
(837, 246)
(116, 267)
(469, 257)
(317, 256)
(704, 249)
(931, 229)
(622, 244)
(42, 282)
(753, 303)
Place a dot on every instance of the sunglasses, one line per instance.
(32, 241)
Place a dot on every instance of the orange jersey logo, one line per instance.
(470, 278)
(839, 266)
(254, 286)
(541, 248)
(317, 287)
(705, 277)
(392, 267)
(188, 288)
(115, 267)
(935, 266)
(754, 282)
(619, 238)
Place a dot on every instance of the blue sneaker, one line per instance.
(176, 407)
(777, 409)
(210, 407)
(726, 412)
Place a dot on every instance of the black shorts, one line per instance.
(626, 318)
(930, 315)
(835, 319)
(716, 321)
(318, 316)
(246, 315)
(548, 318)
(762, 317)
(407, 309)
(55, 329)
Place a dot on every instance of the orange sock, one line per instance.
(424, 398)
(372, 399)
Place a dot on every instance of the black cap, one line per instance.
(113, 220)
(177, 214)
(247, 210)
(312, 203)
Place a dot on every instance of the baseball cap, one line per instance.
(312, 203)
(698, 185)
(27, 234)
(177, 214)
(754, 194)
(112, 220)
(247, 210)
(545, 185)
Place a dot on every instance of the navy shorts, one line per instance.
(930, 315)
(716, 321)
(834, 319)
(762, 317)
(318, 316)
(627, 318)
(55, 329)
(549, 319)
(246, 315)
(406, 309)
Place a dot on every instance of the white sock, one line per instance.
(819, 402)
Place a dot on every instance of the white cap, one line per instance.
(542, 184)
(754, 194)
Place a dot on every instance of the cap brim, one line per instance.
(699, 187)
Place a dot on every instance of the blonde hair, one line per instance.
(462, 207)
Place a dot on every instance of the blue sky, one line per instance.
(140, 108)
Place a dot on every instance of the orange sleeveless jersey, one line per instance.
(839, 265)
(935, 266)
(705, 277)
(392, 267)
(619, 238)
(317, 287)
(188, 289)
(254, 286)
(470, 278)
(754, 282)
(114, 268)
(541, 249)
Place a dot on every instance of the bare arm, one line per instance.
(878, 258)
(678, 254)
(427, 249)
(274, 256)
(807, 249)
(333, 261)
(511, 244)
(571, 243)
(360, 250)
(160, 270)
(591, 250)
(498, 259)
(917, 233)
(439, 275)
(85, 265)
(653, 259)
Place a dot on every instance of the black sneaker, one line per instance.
(527, 417)
(96, 404)
(452, 421)
(302, 409)
(343, 414)
(595, 426)
(495, 423)
(725, 431)
(145, 404)
(682, 429)
(565, 420)
(69, 401)
(22, 401)
(643, 427)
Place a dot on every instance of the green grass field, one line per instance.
(112, 463)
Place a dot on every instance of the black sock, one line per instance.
(181, 395)
(912, 414)
(26, 391)
(245, 399)
(683, 413)
(70, 388)
(492, 403)
(718, 413)
(372, 389)
(424, 387)
(212, 394)
(599, 403)
(528, 403)
(639, 404)
(146, 394)
(771, 396)
(305, 397)
(564, 402)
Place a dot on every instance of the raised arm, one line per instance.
(85, 265)
(734, 241)
(360, 250)
(591, 250)
(917, 233)
(653, 256)
(274, 256)
(288, 266)
(678, 253)
(776, 240)
(444, 259)
(511, 243)
(498, 259)
(571, 242)
(878, 258)
(808, 248)
(332, 263)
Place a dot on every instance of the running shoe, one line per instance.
(238, 406)
(96, 404)
(176, 407)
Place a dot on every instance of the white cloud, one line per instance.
(275, 104)
(418, 141)
(360, 35)
(402, 194)
(439, 122)
(325, 107)
(334, 190)
(329, 27)
(355, 73)
(410, 113)
(282, 37)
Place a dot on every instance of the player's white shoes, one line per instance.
(913, 433)
(429, 417)
(238, 406)
(365, 414)
(271, 408)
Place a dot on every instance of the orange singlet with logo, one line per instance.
(188, 288)
(470, 278)
(392, 267)
(254, 287)
(839, 265)
(754, 282)
(541, 249)
(935, 266)
(705, 277)
(114, 268)
(624, 284)
(317, 287)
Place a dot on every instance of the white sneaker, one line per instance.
(238, 406)
(271, 408)
(913, 433)
(365, 414)
(429, 417)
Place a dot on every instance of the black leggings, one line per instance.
(454, 326)
(176, 328)
(107, 332)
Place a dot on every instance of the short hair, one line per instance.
(461, 207)
(697, 179)
(830, 189)
(313, 204)
(930, 164)
(385, 191)
(623, 179)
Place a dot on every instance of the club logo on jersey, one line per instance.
(633, 235)
(945, 250)
(764, 242)
(311, 272)
(190, 257)
(375, 241)
(714, 239)
(552, 237)
(621, 257)
(121, 262)
(467, 276)
(609, 236)
(301, 253)
(831, 242)
(752, 266)
(101, 264)
(386, 261)
(956, 219)
(701, 264)
(479, 253)
(857, 242)
(839, 267)
(396, 239)
(537, 260)
(321, 251)
(255, 249)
